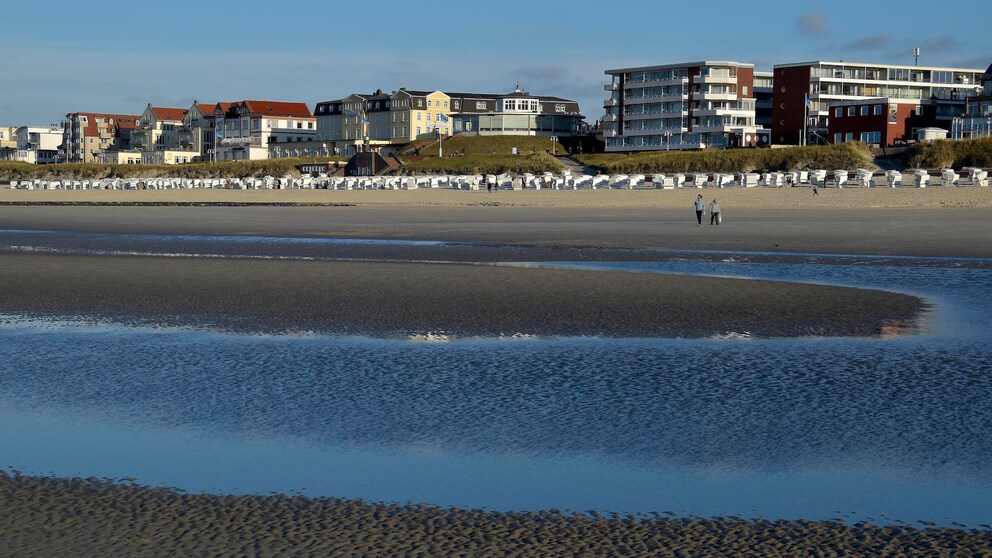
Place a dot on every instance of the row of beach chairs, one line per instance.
(863, 178)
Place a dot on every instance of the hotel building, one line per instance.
(253, 130)
(518, 113)
(34, 144)
(941, 92)
(690, 105)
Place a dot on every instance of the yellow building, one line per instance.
(86, 135)
(8, 137)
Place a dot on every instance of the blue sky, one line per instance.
(59, 56)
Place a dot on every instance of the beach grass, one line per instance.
(96, 171)
(846, 156)
(943, 154)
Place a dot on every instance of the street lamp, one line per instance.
(668, 139)
(554, 145)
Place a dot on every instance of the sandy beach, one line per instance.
(401, 298)
(90, 517)
(930, 222)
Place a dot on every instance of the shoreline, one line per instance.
(114, 518)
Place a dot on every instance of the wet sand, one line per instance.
(417, 299)
(89, 517)
(931, 231)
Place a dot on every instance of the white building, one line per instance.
(35, 144)
(253, 130)
(690, 105)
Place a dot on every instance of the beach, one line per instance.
(489, 277)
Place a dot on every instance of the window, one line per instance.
(838, 138)
(871, 137)
(744, 90)
(850, 111)
(878, 110)
(419, 114)
(429, 102)
(838, 112)
(864, 110)
(849, 136)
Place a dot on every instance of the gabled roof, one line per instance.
(121, 121)
(164, 113)
(987, 76)
(277, 108)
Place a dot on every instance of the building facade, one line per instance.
(827, 83)
(8, 137)
(764, 88)
(198, 130)
(86, 135)
(518, 113)
(977, 119)
(158, 129)
(254, 130)
(691, 105)
(34, 144)
(883, 122)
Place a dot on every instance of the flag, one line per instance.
(442, 117)
(365, 121)
(809, 104)
(218, 133)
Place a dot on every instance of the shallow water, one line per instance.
(884, 429)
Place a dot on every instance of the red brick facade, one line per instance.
(888, 118)
(788, 103)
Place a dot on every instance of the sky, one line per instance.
(116, 56)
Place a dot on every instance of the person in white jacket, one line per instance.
(715, 213)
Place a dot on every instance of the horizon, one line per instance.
(172, 57)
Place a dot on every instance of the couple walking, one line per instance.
(700, 205)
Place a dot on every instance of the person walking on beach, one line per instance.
(715, 213)
(699, 206)
(815, 193)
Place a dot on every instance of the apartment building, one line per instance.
(690, 105)
(882, 121)
(253, 130)
(88, 134)
(764, 88)
(198, 130)
(941, 92)
(34, 144)
(158, 129)
(977, 119)
(515, 113)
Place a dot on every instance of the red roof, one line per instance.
(277, 108)
(163, 113)
(120, 121)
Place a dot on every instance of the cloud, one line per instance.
(942, 44)
(812, 23)
(874, 42)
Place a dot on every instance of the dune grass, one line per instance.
(484, 164)
(846, 156)
(943, 154)
(95, 171)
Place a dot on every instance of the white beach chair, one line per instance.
(721, 180)
(949, 178)
(750, 179)
(700, 180)
(921, 178)
(978, 177)
(863, 178)
(893, 178)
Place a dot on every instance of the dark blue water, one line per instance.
(816, 428)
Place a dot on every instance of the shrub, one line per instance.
(950, 154)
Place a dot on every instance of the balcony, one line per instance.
(660, 82)
(611, 103)
(723, 96)
(610, 118)
(715, 77)
(611, 87)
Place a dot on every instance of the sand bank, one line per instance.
(89, 517)
(402, 299)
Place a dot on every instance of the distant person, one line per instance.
(815, 193)
(699, 206)
(715, 213)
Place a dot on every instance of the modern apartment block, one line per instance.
(691, 105)
(881, 121)
(977, 119)
(942, 90)
(252, 130)
(764, 89)
(8, 137)
(88, 134)
(34, 144)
